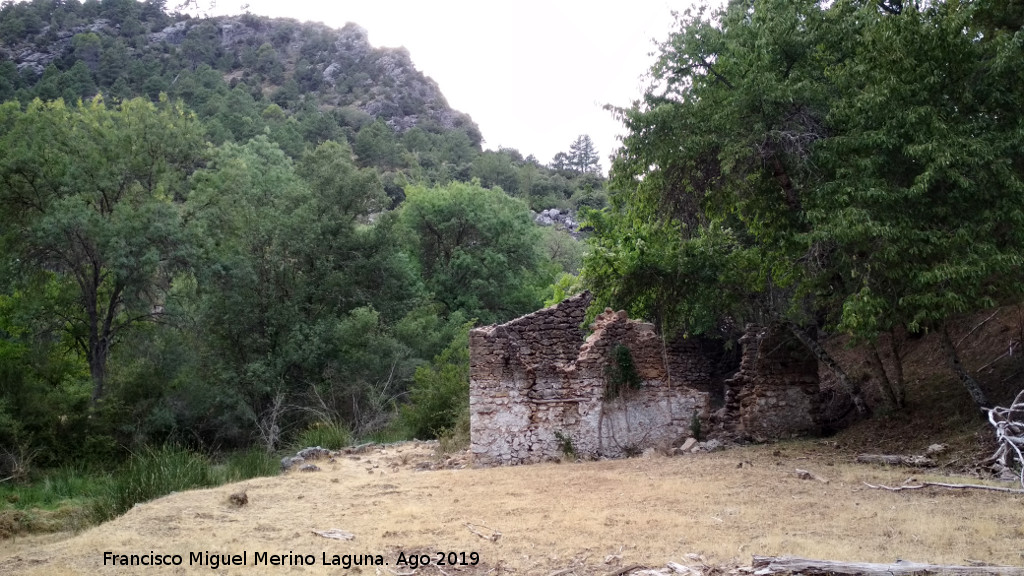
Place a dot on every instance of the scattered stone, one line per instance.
(289, 462)
(808, 475)
(314, 453)
(239, 499)
(309, 468)
(936, 449)
(711, 445)
(688, 444)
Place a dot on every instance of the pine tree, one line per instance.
(583, 157)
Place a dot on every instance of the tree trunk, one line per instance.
(965, 378)
(99, 350)
(899, 386)
(884, 384)
(823, 356)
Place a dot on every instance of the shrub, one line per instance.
(250, 463)
(440, 392)
(330, 435)
(456, 437)
(620, 373)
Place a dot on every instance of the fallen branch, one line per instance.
(1009, 425)
(766, 565)
(626, 570)
(1013, 346)
(975, 329)
(493, 536)
(896, 460)
(943, 485)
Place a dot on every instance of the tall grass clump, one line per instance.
(325, 434)
(150, 474)
(250, 463)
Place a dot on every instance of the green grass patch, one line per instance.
(329, 435)
(72, 498)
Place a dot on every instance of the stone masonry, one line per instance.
(775, 393)
(537, 388)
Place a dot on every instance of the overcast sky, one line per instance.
(533, 74)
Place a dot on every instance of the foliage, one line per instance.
(815, 165)
(90, 194)
(296, 294)
(456, 437)
(695, 426)
(620, 375)
(566, 444)
(211, 249)
(156, 472)
(440, 394)
(329, 435)
(476, 249)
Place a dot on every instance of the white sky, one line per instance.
(533, 74)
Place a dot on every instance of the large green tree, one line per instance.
(861, 159)
(477, 249)
(297, 292)
(90, 193)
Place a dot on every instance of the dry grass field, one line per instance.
(551, 517)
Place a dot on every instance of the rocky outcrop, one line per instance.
(382, 82)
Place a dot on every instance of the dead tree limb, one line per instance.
(975, 329)
(896, 460)
(766, 565)
(943, 485)
(823, 356)
(626, 570)
(1009, 425)
(494, 536)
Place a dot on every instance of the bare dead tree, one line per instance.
(267, 423)
(1009, 425)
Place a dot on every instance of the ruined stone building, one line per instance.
(539, 387)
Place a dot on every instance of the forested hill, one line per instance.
(126, 49)
(241, 231)
(300, 84)
(245, 75)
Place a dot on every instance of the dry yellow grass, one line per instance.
(555, 516)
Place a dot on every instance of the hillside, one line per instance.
(291, 269)
(298, 83)
(130, 49)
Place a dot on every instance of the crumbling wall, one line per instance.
(776, 392)
(523, 385)
(538, 389)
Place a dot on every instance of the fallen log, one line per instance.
(767, 565)
(943, 485)
(896, 460)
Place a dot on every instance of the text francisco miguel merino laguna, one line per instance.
(214, 561)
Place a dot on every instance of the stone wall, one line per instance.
(537, 387)
(776, 392)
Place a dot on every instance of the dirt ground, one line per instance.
(582, 517)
